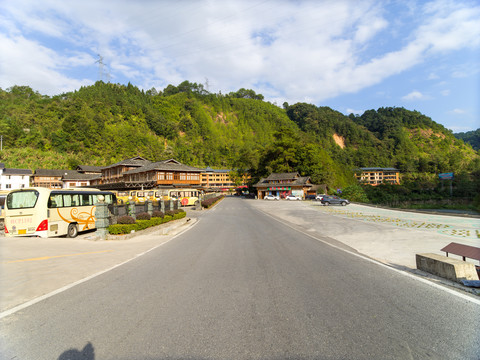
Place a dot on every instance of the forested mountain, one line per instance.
(106, 123)
(470, 137)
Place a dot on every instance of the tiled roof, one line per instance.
(80, 176)
(136, 161)
(209, 169)
(378, 169)
(300, 181)
(52, 172)
(89, 168)
(17, 172)
(283, 176)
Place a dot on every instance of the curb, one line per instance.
(162, 229)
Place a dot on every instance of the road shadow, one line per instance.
(87, 353)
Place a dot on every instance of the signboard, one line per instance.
(446, 176)
(298, 193)
(279, 188)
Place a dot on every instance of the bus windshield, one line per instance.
(22, 199)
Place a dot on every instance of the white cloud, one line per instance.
(414, 95)
(353, 111)
(458, 111)
(39, 70)
(298, 51)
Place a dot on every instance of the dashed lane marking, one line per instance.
(56, 256)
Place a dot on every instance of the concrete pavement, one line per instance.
(391, 236)
(33, 267)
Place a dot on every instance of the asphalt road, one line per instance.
(241, 285)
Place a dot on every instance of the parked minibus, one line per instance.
(46, 212)
(136, 196)
(187, 197)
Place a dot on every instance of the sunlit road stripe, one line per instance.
(57, 256)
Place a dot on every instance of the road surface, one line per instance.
(242, 285)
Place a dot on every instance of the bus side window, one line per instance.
(75, 200)
(67, 200)
(86, 199)
(55, 201)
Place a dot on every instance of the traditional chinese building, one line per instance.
(163, 173)
(284, 184)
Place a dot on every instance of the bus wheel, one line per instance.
(72, 230)
(197, 203)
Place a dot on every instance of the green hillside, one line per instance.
(470, 137)
(106, 123)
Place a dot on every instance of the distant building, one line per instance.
(284, 184)
(49, 178)
(220, 179)
(87, 169)
(74, 179)
(14, 178)
(113, 174)
(375, 176)
(162, 173)
(140, 173)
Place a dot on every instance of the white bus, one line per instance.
(45, 212)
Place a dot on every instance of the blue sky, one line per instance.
(350, 55)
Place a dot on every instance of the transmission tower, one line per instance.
(100, 67)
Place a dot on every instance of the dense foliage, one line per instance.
(470, 137)
(105, 123)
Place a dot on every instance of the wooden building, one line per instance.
(162, 173)
(284, 184)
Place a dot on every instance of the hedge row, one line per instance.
(210, 202)
(119, 229)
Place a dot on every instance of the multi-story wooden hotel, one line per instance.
(141, 173)
(375, 176)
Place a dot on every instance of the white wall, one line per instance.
(10, 182)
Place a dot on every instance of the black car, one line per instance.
(330, 199)
(310, 197)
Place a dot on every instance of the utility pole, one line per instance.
(1, 142)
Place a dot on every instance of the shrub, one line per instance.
(158, 214)
(170, 212)
(354, 193)
(125, 220)
(118, 229)
(143, 224)
(209, 202)
(143, 216)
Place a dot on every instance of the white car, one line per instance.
(319, 197)
(293, 197)
(271, 197)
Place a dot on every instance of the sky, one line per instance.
(349, 55)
